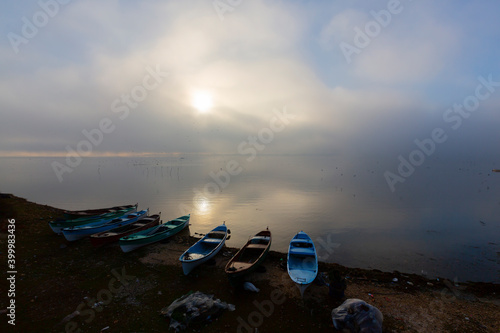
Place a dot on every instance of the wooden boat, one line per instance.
(75, 214)
(205, 249)
(154, 234)
(250, 256)
(79, 232)
(496, 170)
(58, 225)
(115, 234)
(302, 263)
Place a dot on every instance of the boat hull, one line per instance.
(187, 267)
(103, 238)
(57, 226)
(75, 214)
(148, 236)
(133, 245)
(197, 255)
(76, 233)
(302, 261)
(239, 275)
(250, 256)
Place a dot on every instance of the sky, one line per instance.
(299, 77)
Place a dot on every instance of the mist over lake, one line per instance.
(444, 220)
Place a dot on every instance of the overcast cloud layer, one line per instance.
(252, 58)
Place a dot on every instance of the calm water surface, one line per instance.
(444, 220)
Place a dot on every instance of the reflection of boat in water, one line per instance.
(496, 170)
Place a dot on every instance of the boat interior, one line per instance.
(250, 254)
(302, 255)
(301, 261)
(176, 222)
(116, 231)
(160, 228)
(201, 250)
(260, 240)
(214, 237)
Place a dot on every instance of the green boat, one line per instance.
(58, 225)
(154, 234)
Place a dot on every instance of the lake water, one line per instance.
(444, 220)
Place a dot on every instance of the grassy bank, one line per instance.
(56, 278)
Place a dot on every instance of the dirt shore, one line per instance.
(58, 286)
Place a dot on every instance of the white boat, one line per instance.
(302, 263)
(204, 249)
(79, 232)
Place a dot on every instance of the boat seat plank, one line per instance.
(194, 256)
(241, 265)
(302, 251)
(256, 246)
(216, 232)
(212, 240)
(261, 238)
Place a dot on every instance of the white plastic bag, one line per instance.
(357, 316)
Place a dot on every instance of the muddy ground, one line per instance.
(58, 286)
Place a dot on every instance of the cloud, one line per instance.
(341, 28)
(408, 46)
(420, 53)
(260, 57)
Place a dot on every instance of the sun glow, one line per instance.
(203, 206)
(202, 101)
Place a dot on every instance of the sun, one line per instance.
(202, 101)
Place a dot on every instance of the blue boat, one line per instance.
(204, 249)
(302, 263)
(79, 232)
(58, 225)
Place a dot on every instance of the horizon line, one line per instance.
(61, 154)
